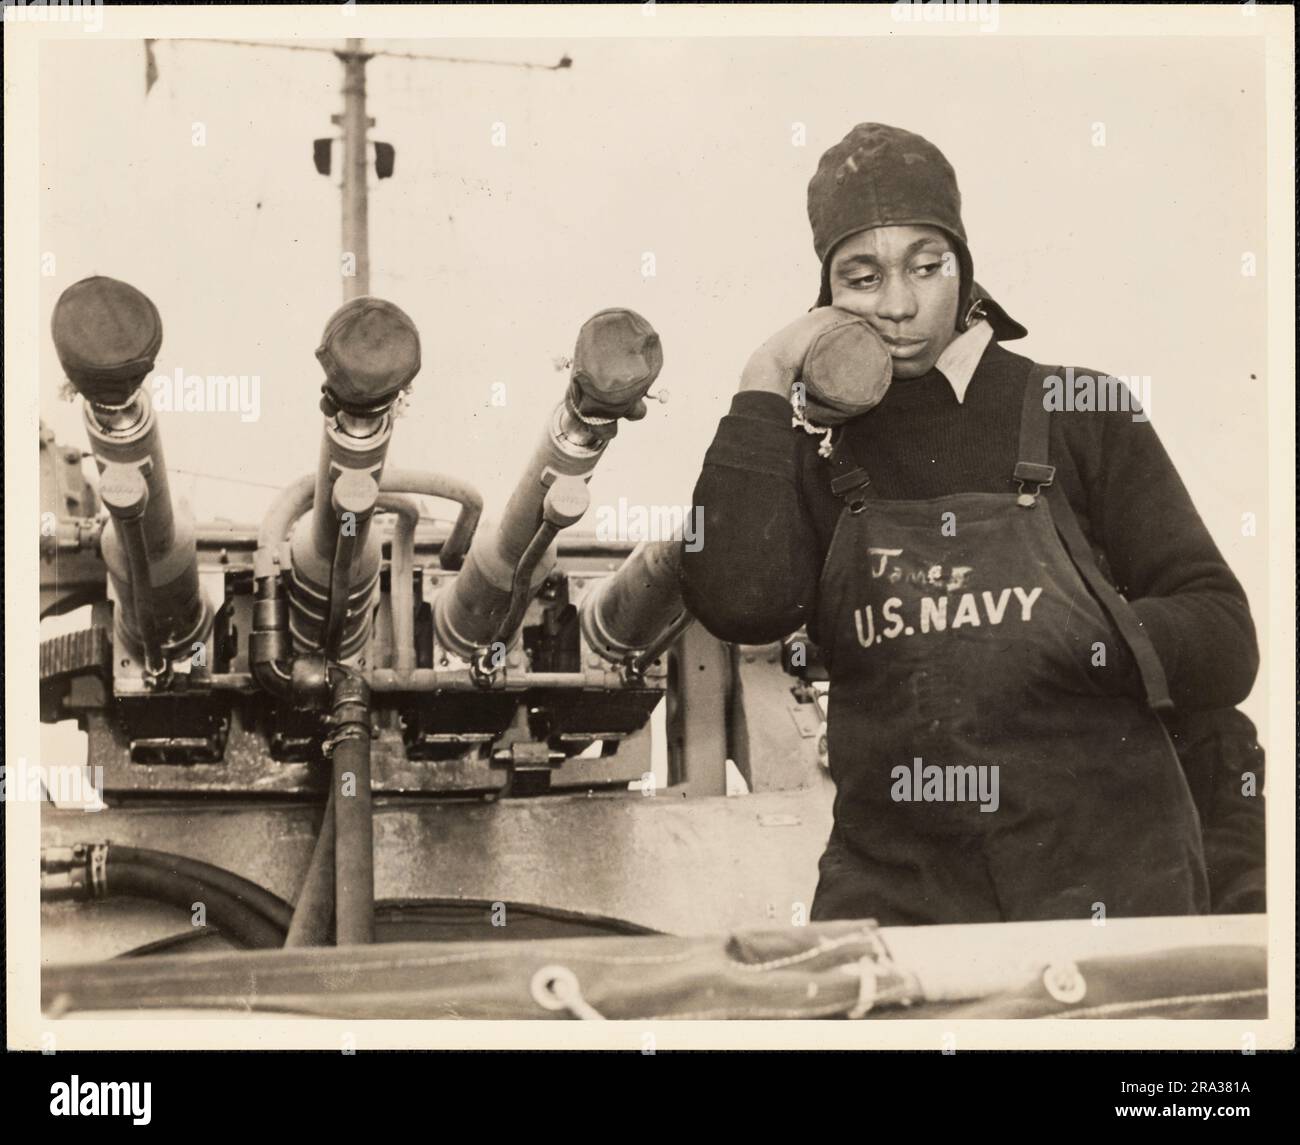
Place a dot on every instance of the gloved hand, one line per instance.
(842, 365)
(846, 372)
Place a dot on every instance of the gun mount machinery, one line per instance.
(351, 725)
(402, 673)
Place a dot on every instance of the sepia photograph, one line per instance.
(765, 526)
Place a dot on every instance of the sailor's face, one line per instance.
(900, 281)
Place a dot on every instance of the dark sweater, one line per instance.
(769, 514)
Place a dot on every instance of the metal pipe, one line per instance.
(126, 494)
(400, 572)
(269, 649)
(384, 680)
(269, 652)
(452, 554)
(289, 504)
(314, 910)
(431, 680)
(131, 531)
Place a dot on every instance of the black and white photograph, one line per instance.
(758, 525)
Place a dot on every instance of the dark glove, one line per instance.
(846, 372)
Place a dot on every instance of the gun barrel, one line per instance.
(107, 335)
(623, 614)
(370, 352)
(616, 360)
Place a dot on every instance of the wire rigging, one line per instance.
(565, 61)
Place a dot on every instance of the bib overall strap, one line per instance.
(849, 481)
(1033, 472)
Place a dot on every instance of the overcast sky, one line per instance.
(1125, 258)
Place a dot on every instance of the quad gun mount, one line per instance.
(485, 659)
(338, 673)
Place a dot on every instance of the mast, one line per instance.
(356, 225)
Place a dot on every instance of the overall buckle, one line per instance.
(851, 487)
(1031, 473)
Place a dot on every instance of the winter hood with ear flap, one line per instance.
(983, 305)
(880, 176)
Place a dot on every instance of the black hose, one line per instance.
(231, 916)
(354, 829)
(521, 584)
(340, 590)
(354, 860)
(255, 898)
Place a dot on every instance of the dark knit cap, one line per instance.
(880, 176)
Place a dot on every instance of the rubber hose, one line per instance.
(354, 841)
(251, 896)
(226, 913)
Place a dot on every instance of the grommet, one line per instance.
(556, 988)
(1064, 982)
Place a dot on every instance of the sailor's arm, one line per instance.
(1165, 562)
(754, 577)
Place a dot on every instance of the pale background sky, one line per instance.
(1125, 258)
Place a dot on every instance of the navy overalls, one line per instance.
(959, 633)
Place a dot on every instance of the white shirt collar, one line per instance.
(958, 361)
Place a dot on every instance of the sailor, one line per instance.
(956, 553)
